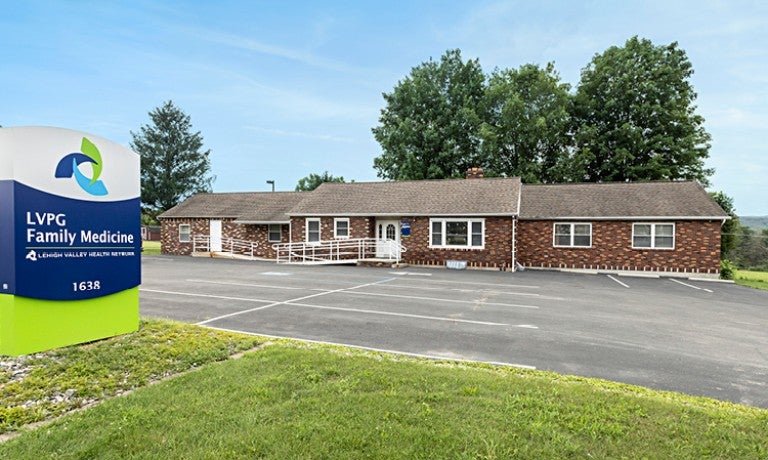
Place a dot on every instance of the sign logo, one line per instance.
(68, 167)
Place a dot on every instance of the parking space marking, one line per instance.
(408, 315)
(623, 284)
(690, 285)
(497, 285)
(211, 296)
(410, 274)
(484, 291)
(287, 288)
(378, 350)
(282, 302)
(472, 302)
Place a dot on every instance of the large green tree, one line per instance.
(730, 228)
(526, 124)
(173, 162)
(635, 119)
(313, 181)
(430, 126)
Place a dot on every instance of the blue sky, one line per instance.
(283, 89)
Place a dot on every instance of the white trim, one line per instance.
(411, 214)
(630, 218)
(336, 221)
(269, 233)
(319, 230)
(468, 220)
(653, 225)
(263, 222)
(189, 234)
(572, 234)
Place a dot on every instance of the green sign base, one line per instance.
(33, 325)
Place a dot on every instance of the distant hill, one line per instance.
(756, 222)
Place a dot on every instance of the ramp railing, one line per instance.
(338, 251)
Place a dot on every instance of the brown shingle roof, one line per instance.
(497, 196)
(248, 207)
(617, 200)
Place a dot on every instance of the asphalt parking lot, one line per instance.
(695, 337)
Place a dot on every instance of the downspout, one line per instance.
(514, 244)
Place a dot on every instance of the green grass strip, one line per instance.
(45, 385)
(753, 279)
(290, 401)
(150, 247)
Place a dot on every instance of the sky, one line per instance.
(282, 89)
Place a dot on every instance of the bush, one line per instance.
(727, 269)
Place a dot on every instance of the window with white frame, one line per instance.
(341, 228)
(457, 233)
(275, 233)
(185, 232)
(653, 236)
(313, 231)
(572, 235)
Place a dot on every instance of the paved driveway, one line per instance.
(700, 338)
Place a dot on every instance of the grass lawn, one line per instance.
(150, 247)
(290, 400)
(753, 279)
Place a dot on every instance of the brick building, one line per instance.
(666, 227)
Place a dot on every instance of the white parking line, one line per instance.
(408, 315)
(210, 296)
(410, 274)
(690, 285)
(377, 350)
(496, 285)
(471, 302)
(483, 291)
(274, 304)
(625, 285)
(287, 288)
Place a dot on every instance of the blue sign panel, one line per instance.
(70, 249)
(405, 229)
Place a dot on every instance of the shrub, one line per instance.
(727, 269)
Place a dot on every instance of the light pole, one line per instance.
(272, 183)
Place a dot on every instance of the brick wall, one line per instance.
(170, 244)
(359, 227)
(169, 235)
(496, 254)
(697, 248)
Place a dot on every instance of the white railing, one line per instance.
(338, 251)
(202, 243)
(235, 246)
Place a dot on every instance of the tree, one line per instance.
(429, 128)
(527, 121)
(634, 117)
(173, 164)
(730, 227)
(313, 181)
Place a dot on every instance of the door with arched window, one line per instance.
(387, 230)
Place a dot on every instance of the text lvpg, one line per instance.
(60, 234)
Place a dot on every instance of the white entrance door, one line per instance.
(215, 236)
(387, 231)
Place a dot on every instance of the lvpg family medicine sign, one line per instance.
(70, 245)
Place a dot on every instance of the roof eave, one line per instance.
(623, 217)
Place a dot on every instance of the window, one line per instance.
(571, 235)
(313, 230)
(184, 233)
(457, 233)
(653, 236)
(275, 233)
(341, 228)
